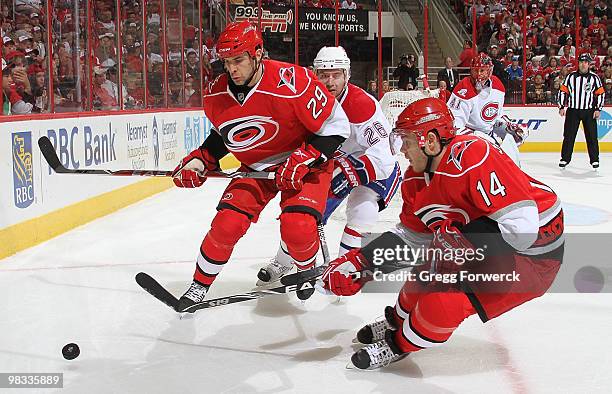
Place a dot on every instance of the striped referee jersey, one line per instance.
(582, 91)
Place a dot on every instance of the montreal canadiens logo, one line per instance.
(489, 111)
(246, 133)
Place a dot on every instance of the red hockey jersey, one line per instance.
(474, 179)
(283, 110)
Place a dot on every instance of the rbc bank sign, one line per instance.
(98, 146)
(23, 172)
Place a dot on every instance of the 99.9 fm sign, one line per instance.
(311, 20)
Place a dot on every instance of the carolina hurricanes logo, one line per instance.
(456, 153)
(489, 112)
(287, 78)
(247, 133)
(432, 214)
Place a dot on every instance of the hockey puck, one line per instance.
(71, 351)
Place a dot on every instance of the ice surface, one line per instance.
(80, 287)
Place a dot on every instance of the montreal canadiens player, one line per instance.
(477, 103)
(365, 170)
(456, 188)
(272, 116)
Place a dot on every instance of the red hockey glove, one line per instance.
(289, 174)
(339, 278)
(453, 249)
(191, 172)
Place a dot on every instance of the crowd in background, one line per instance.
(85, 79)
(550, 49)
(85, 73)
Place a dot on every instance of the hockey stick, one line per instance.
(289, 283)
(324, 248)
(48, 151)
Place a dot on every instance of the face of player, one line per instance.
(242, 67)
(334, 80)
(413, 152)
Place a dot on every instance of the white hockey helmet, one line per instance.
(330, 58)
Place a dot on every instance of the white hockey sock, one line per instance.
(351, 239)
(282, 256)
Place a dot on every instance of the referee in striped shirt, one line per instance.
(584, 95)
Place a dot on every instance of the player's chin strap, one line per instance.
(443, 143)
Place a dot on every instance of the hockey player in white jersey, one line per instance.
(477, 103)
(365, 169)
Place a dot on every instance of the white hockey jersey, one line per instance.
(477, 111)
(369, 139)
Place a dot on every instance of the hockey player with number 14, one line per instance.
(365, 170)
(477, 104)
(273, 117)
(463, 196)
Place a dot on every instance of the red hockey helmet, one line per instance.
(237, 38)
(423, 116)
(481, 68)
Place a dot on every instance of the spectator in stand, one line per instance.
(513, 44)
(568, 45)
(567, 59)
(106, 48)
(192, 65)
(8, 45)
(385, 87)
(534, 68)
(552, 70)
(13, 102)
(25, 42)
(587, 19)
(487, 30)
(444, 91)
(595, 27)
(349, 5)
(603, 47)
(102, 99)
(38, 41)
(39, 89)
(546, 47)
(554, 91)
(568, 33)
(537, 92)
(602, 10)
(608, 87)
(533, 15)
(406, 72)
(498, 67)
(514, 71)
(111, 84)
(373, 88)
(469, 52)
(496, 7)
(507, 59)
(449, 75)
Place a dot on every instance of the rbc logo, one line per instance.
(23, 180)
(604, 124)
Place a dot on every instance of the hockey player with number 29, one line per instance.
(458, 189)
(365, 170)
(272, 116)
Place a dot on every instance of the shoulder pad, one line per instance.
(285, 79)
(358, 105)
(464, 89)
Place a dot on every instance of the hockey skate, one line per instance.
(378, 354)
(304, 294)
(374, 332)
(194, 295)
(272, 272)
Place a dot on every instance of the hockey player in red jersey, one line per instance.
(457, 189)
(365, 172)
(477, 104)
(272, 116)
